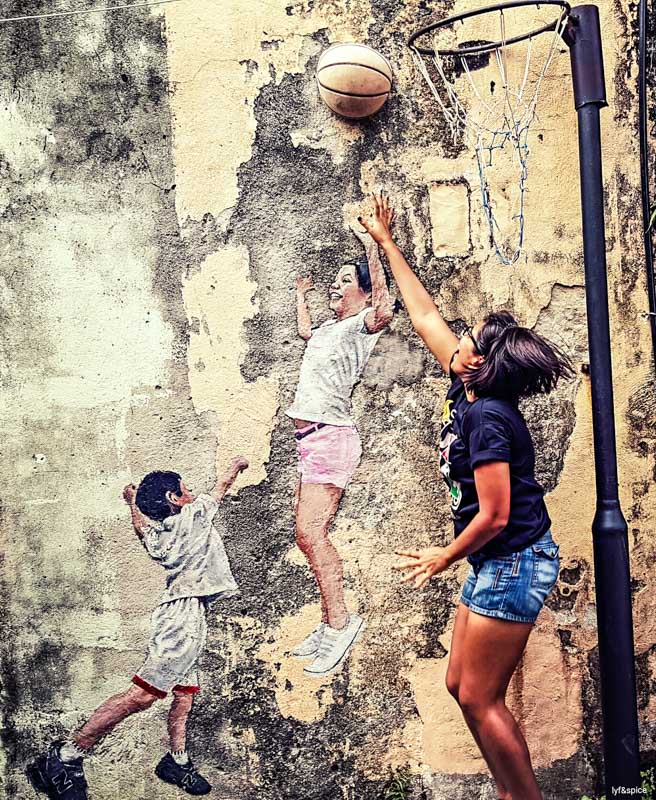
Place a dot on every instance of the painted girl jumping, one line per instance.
(327, 440)
(501, 522)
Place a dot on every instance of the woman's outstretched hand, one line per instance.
(379, 223)
(423, 564)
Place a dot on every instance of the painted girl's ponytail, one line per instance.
(361, 265)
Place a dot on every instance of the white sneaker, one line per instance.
(310, 645)
(334, 646)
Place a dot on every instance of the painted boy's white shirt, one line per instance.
(191, 551)
(334, 359)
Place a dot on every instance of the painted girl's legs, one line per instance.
(315, 509)
(453, 676)
(491, 651)
(297, 498)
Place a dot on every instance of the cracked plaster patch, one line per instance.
(221, 296)
(335, 136)
(213, 108)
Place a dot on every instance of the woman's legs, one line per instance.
(489, 653)
(453, 674)
(316, 507)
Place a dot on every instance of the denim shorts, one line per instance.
(513, 587)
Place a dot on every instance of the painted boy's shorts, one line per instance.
(177, 638)
(329, 455)
(513, 587)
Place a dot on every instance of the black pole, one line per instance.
(644, 168)
(609, 528)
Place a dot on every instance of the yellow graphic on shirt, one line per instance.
(447, 438)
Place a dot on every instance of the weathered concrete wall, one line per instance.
(167, 175)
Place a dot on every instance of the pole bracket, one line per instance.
(582, 35)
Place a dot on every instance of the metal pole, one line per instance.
(644, 168)
(609, 528)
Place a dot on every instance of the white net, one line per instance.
(494, 123)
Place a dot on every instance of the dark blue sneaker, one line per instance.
(185, 776)
(60, 780)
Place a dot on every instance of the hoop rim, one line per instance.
(486, 48)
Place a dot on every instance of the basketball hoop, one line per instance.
(492, 126)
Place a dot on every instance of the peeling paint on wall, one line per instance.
(218, 299)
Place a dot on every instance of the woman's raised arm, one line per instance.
(425, 316)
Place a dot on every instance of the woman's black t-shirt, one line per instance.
(490, 429)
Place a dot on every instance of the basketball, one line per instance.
(354, 79)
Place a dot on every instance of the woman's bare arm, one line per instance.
(424, 314)
(492, 481)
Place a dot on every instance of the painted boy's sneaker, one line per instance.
(310, 645)
(335, 644)
(60, 780)
(184, 776)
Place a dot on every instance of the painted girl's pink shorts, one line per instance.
(329, 455)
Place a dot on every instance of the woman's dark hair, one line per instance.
(151, 494)
(518, 362)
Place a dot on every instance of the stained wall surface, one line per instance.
(167, 174)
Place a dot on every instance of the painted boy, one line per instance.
(176, 529)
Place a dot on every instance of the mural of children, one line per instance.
(501, 522)
(327, 440)
(176, 530)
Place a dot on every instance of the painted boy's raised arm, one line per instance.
(226, 480)
(140, 523)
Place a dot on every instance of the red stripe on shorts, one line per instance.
(186, 689)
(142, 684)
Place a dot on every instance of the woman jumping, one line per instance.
(327, 440)
(500, 518)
